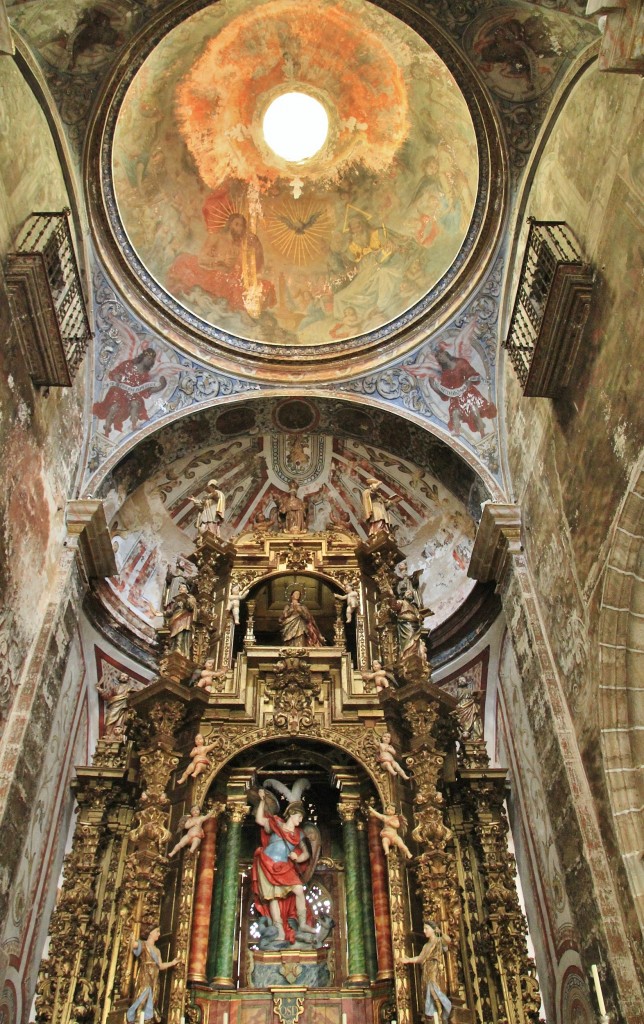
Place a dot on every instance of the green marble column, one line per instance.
(353, 891)
(368, 924)
(229, 899)
(215, 914)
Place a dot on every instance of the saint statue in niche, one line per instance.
(150, 963)
(298, 626)
(283, 862)
(431, 960)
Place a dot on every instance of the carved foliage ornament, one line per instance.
(293, 692)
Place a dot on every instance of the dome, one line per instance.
(350, 251)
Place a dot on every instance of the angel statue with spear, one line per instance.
(284, 861)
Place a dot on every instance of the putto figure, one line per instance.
(391, 822)
(234, 602)
(352, 597)
(199, 762)
(379, 675)
(192, 824)
(386, 757)
(298, 626)
(209, 674)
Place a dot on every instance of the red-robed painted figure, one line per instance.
(126, 397)
(456, 385)
(228, 267)
(278, 866)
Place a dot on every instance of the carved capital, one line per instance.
(237, 811)
(497, 541)
(165, 718)
(347, 810)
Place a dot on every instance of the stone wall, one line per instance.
(571, 462)
(41, 671)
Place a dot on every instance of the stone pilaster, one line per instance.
(498, 555)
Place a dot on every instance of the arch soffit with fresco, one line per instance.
(100, 482)
(152, 520)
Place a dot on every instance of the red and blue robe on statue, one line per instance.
(273, 874)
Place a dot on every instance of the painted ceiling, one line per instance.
(368, 280)
(311, 252)
(156, 523)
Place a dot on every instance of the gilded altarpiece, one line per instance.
(293, 668)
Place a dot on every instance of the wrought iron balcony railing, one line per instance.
(550, 310)
(48, 305)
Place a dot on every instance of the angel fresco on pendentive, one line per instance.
(452, 385)
(518, 53)
(132, 381)
(75, 38)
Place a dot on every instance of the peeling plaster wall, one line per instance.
(571, 459)
(40, 433)
(42, 722)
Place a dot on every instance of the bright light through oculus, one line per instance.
(295, 126)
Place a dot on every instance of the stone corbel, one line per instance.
(497, 540)
(595, 8)
(87, 527)
(6, 38)
(620, 22)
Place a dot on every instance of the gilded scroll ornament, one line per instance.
(288, 1008)
(293, 692)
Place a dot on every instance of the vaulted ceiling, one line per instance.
(368, 279)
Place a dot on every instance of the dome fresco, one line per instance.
(251, 248)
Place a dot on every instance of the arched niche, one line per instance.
(337, 781)
(271, 594)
